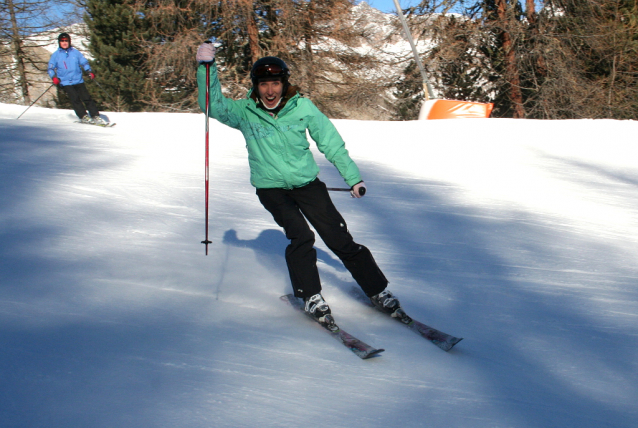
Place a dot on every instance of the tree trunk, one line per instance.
(308, 35)
(19, 54)
(530, 12)
(251, 29)
(512, 74)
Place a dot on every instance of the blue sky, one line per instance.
(388, 5)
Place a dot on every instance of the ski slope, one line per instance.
(520, 236)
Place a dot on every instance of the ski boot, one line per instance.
(97, 120)
(386, 302)
(318, 309)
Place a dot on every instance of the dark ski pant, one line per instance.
(79, 96)
(290, 209)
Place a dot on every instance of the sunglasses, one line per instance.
(268, 70)
(65, 40)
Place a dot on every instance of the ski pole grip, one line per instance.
(362, 190)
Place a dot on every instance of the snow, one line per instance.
(518, 235)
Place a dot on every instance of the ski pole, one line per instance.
(206, 241)
(362, 190)
(52, 84)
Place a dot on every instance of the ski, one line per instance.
(442, 340)
(361, 349)
(105, 125)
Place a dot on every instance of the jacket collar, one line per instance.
(290, 97)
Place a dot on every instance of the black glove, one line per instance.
(358, 190)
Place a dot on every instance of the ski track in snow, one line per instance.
(518, 235)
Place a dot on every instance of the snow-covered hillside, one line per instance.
(518, 235)
(49, 39)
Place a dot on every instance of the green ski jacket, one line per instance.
(278, 150)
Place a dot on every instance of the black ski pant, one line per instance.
(290, 209)
(80, 97)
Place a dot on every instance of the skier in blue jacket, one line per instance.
(65, 68)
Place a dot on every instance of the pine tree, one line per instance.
(118, 59)
(460, 57)
(173, 31)
(409, 94)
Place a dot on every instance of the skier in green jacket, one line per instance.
(274, 119)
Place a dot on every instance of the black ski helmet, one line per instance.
(64, 36)
(269, 66)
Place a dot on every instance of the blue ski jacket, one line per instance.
(67, 65)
